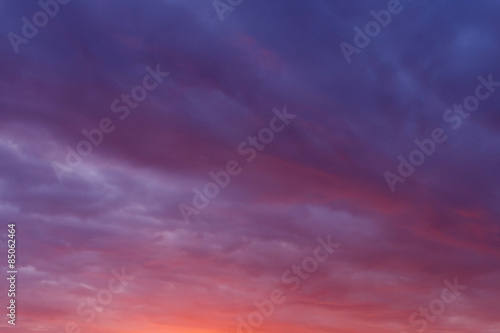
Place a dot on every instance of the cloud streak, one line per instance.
(323, 175)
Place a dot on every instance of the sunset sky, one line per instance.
(356, 187)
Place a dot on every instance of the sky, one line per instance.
(248, 166)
